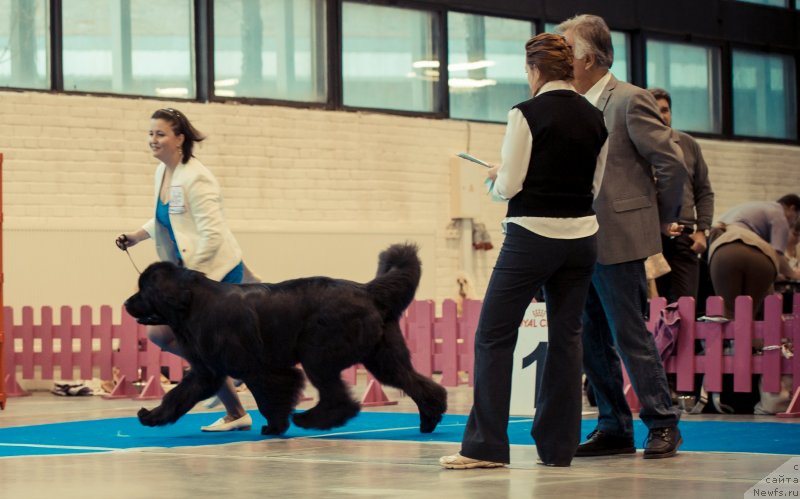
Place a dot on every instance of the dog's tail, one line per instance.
(393, 288)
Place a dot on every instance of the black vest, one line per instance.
(568, 133)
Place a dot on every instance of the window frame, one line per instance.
(537, 24)
(759, 51)
(718, 24)
(724, 106)
(439, 40)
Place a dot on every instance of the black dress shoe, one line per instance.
(600, 443)
(662, 442)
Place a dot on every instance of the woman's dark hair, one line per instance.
(551, 54)
(180, 125)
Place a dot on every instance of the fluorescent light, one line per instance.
(470, 83)
(224, 93)
(226, 83)
(425, 64)
(469, 66)
(172, 92)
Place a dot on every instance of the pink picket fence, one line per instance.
(727, 347)
(444, 344)
(68, 350)
(440, 345)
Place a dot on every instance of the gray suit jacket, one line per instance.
(643, 181)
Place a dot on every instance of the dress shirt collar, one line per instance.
(593, 94)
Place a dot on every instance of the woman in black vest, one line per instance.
(553, 158)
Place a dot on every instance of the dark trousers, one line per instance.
(527, 262)
(684, 276)
(738, 269)
(614, 316)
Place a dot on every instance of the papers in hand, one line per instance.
(469, 157)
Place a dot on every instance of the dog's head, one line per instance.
(464, 284)
(164, 295)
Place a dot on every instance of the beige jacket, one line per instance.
(206, 243)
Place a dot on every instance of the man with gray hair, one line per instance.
(641, 192)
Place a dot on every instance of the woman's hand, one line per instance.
(492, 172)
(128, 239)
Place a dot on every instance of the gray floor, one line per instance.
(300, 468)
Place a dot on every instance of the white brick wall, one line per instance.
(306, 191)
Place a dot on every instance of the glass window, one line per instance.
(24, 44)
(389, 58)
(486, 61)
(764, 98)
(774, 3)
(691, 74)
(271, 49)
(620, 42)
(141, 47)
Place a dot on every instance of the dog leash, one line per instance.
(121, 240)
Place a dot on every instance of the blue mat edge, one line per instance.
(58, 438)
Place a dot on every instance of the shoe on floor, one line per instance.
(459, 462)
(600, 443)
(553, 465)
(662, 442)
(243, 423)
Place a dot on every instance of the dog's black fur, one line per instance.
(259, 333)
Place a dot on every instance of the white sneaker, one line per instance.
(243, 423)
(459, 462)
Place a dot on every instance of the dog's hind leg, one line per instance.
(335, 407)
(194, 387)
(276, 392)
(390, 363)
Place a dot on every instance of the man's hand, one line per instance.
(672, 229)
(700, 242)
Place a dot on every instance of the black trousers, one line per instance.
(684, 278)
(527, 262)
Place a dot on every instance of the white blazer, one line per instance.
(195, 211)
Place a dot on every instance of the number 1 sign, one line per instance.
(528, 357)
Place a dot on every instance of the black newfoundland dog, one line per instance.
(259, 333)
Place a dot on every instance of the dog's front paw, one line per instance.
(272, 429)
(146, 417)
(428, 423)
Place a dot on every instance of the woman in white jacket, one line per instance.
(189, 229)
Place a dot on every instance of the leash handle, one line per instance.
(122, 243)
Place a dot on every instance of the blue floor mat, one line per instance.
(106, 435)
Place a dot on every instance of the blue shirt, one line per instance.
(162, 216)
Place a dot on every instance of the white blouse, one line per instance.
(515, 159)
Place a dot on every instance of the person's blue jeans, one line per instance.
(614, 315)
